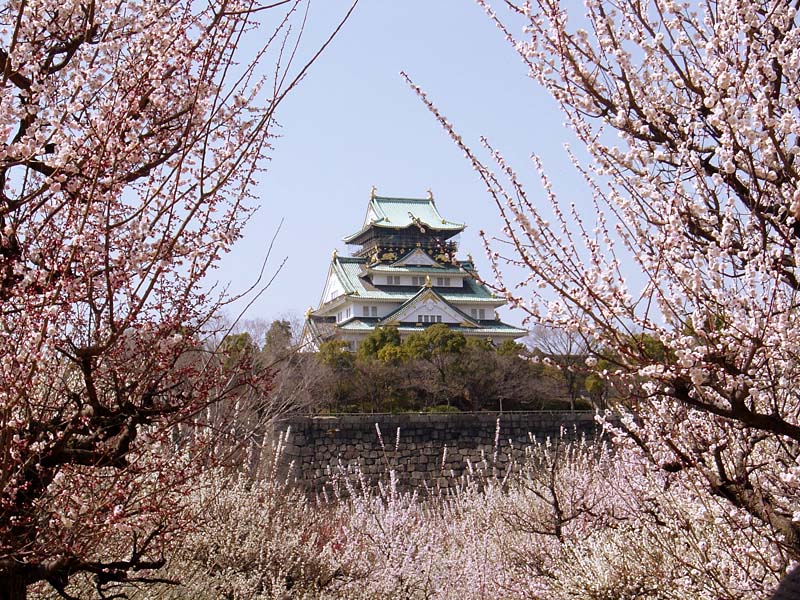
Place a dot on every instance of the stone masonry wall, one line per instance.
(422, 449)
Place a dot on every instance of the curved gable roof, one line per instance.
(418, 298)
(399, 213)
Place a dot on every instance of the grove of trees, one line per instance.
(438, 369)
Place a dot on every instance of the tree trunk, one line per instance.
(12, 587)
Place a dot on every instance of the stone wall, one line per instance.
(422, 449)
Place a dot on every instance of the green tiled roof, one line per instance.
(440, 270)
(356, 325)
(399, 213)
(348, 268)
(340, 266)
(485, 328)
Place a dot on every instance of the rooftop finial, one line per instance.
(428, 281)
(333, 256)
(372, 193)
(430, 194)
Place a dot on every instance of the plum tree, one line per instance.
(689, 235)
(132, 132)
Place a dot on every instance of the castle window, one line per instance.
(392, 280)
(365, 311)
(415, 280)
(374, 311)
(443, 281)
(429, 318)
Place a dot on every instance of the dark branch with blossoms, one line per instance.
(130, 136)
(681, 265)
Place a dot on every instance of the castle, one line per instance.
(405, 274)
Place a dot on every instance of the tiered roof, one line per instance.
(401, 213)
(487, 329)
(349, 271)
(405, 236)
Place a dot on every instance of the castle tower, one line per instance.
(404, 273)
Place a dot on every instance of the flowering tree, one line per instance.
(131, 134)
(682, 264)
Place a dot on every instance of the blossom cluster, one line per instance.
(131, 134)
(679, 270)
(576, 520)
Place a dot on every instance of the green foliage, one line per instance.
(278, 338)
(379, 338)
(434, 367)
(335, 355)
(434, 341)
(442, 408)
(479, 345)
(650, 347)
(237, 343)
(236, 348)
(595, 385)
(644, 348)
(392, 354)
(511, 348)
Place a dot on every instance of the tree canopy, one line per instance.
(132, 133)
(436, 368)
(681, 264)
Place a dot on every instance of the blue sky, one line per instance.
(354, 123)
